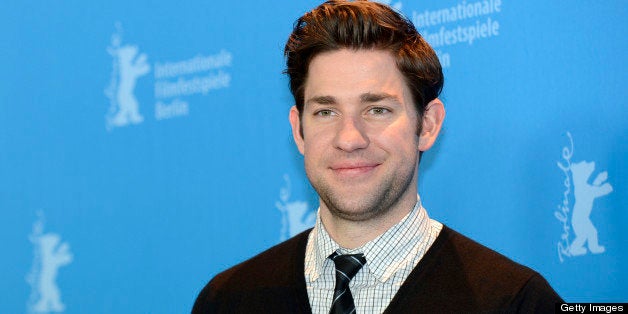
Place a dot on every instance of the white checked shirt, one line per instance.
(389, 260)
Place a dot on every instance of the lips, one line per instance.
(351, 169)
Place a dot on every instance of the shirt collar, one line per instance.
(385, 254)
(319, 247)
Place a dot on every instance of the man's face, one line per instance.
(360, 140)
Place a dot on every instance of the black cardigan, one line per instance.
(456, 275)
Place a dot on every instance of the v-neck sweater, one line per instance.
(456, 275)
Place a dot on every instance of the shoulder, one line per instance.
(269, 267)
(488, 272)
(275, 271)
(478, 262)
(471, 277)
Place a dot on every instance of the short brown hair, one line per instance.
(363, 25)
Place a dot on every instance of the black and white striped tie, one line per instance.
(347, 266)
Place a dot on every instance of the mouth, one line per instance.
(350, 170)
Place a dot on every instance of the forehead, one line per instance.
(346, 74)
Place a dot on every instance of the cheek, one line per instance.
(313, 163)
(399, 136)
(314, 149)
(317, 139)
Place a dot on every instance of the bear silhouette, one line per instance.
(295, 216)
(131, 67)
(298, 216)
(54, 254)
(585, 194)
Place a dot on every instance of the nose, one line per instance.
(351, 134)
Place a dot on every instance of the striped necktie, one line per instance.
(347, 266)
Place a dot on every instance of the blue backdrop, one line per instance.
(145, 146)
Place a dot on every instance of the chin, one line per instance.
(354, 210)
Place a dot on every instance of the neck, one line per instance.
(352, 234)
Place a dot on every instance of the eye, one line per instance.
(324, 113)
(379, 111)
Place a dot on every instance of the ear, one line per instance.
(431, 124)
(295, 122)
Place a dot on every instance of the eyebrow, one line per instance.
(370, 97)
(322, 100)
(364, 98)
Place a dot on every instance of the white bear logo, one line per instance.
(295, 216)
(585, 193)
(50, 255)
(128, 66)
(577, 219)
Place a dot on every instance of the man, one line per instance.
(365, 86)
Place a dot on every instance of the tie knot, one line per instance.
(347, 265)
